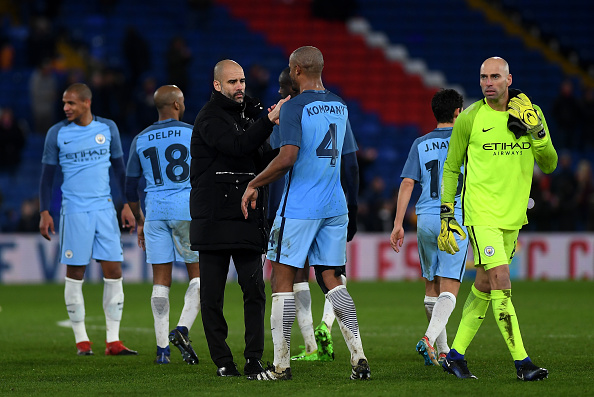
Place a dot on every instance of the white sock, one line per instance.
(304, 318)
(160, 306)
(75, 305)
(441, 313)
(191, 304)
(282, 316)
(113, 304)
(429, 302)
(328, 316)
(345, 311)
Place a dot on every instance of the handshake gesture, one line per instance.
(523, 118)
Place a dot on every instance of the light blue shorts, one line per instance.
(92, 234)
(167, 241)
(322, 241)
(435, 262)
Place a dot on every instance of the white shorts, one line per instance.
(92, 234)
(167, 241)
(322, 241)
(435, 262)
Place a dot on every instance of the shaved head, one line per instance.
(309, 59)
(229, 80)
(167, 95)
(82, 91)
(496, 62)
(223, 66)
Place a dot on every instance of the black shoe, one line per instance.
(252, 366)
(270, 374)
(228, 369)
(529, 372)
(182, 342)
(458, 368)
(361, 370)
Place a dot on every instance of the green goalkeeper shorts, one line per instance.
(492, 246)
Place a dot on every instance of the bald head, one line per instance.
(223, 67)
(495, 80)
(496, 62)
(229, 80)
(166, 95)
(82, 91)
(169, 101)
(309, 59)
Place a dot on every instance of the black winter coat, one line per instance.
(228, 150)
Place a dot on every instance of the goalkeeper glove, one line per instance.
(446, 241)
(523, 118)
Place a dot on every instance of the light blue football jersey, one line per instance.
(162, 154)
(84, 155)
(425, 165)
(317, 122)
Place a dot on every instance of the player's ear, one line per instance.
(217, 85)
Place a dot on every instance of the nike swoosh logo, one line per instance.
(66, 143)
(488, 129)
(481, 317)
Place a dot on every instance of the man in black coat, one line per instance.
(227, 151)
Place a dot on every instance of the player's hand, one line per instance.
(46, 225)
(128, 220)
(397, 237)
(274, 110)
(249, 198)
(446, 241)
(524, 118)
(140, 231)
(352, 227)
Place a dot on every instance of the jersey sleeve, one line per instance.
(456, 154)
(290, 124)
(350, 144)
(412, 168)
(50, 149)
(116, 143)
(543, 150)
(134, 168)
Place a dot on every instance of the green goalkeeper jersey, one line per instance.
(498, 167)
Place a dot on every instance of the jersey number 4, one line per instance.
(433, 168)
(174, 165)
(327, 148)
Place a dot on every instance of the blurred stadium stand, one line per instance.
(386, 63)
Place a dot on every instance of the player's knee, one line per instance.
(328, 277)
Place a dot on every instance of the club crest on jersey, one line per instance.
(100, 139)
(68, 254)
(489, 251)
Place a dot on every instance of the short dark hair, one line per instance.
(444, 104)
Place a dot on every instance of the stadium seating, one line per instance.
(388, 107)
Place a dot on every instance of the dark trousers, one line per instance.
(214, 266)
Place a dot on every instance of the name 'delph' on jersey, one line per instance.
(164, 134)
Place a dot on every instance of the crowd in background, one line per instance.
(564, 200)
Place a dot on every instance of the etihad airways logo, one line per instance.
(507, 149)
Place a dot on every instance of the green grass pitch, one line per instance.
(39, 357)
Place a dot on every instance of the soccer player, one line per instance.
(497, 139)
(442, 272)
(318, 344)
(85, 146)
(161, 153)
(312, 221)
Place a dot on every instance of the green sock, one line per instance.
(507, 321)
(473, 314)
